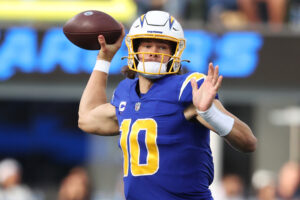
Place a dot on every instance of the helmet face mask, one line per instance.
(155, 25)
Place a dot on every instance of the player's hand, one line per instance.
(204, 96)
(108, 51)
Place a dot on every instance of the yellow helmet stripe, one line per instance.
(171, 21)
(142, 18)
(196, 75)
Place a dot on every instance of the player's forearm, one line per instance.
(94, 93)
(241, 137)
(238, 134)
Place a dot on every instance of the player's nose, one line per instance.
(154, 51)
(153, 54)
(151, 57)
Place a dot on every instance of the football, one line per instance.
(83, 29)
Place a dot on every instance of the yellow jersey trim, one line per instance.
(196, 75)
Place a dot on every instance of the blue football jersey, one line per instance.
(165, 156)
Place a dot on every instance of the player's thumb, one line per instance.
(194, 85)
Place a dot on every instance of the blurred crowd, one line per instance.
(231, 14)
(266, 185)
(77, 185)
(11, 182)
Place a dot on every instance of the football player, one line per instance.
(163, 118)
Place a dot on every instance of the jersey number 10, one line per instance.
(132, 154)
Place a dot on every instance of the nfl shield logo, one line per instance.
(137, 106)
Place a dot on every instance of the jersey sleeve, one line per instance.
(185, 93)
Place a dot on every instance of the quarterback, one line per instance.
(163, 117)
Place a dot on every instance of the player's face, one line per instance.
(154, 46)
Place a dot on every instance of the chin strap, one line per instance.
(188, 61)
(151, 76)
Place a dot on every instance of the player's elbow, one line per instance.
(87, 128)
(83, 124)
(248, 141)
(250, 145)
(253, 144)
(244, 142)
(98, 126)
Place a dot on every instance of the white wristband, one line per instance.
(102, 66)
(221, 122)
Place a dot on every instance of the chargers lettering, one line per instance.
(236, 52)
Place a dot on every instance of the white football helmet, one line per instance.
(155, 25)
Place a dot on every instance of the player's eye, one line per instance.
(164, 47)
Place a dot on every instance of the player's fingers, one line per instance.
(215, 75)
(102, 42)
(210, 72)
(194, 85)
(123, 30)
(219, 82)
(122, 34)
